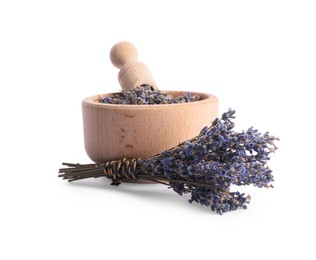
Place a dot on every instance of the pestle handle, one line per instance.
(132, 73)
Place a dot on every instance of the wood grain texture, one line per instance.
(140, 131)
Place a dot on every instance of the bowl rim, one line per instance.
(206, 98)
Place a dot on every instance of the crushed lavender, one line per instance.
(146, 95)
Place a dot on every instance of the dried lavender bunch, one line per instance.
(146, 95)
(205, 166)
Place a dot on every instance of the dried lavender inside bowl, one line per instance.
(146, 95)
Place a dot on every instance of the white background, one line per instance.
(258, 57)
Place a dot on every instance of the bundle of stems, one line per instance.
(205, 166)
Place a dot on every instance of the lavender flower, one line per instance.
(205, 166)
(220, 157)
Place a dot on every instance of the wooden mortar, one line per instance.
(140, 131)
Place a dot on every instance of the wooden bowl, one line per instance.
(141, 131)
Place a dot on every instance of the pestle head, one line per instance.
(122, 53)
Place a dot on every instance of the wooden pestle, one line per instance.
(132, 73)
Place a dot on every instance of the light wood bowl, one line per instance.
(141, 131)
